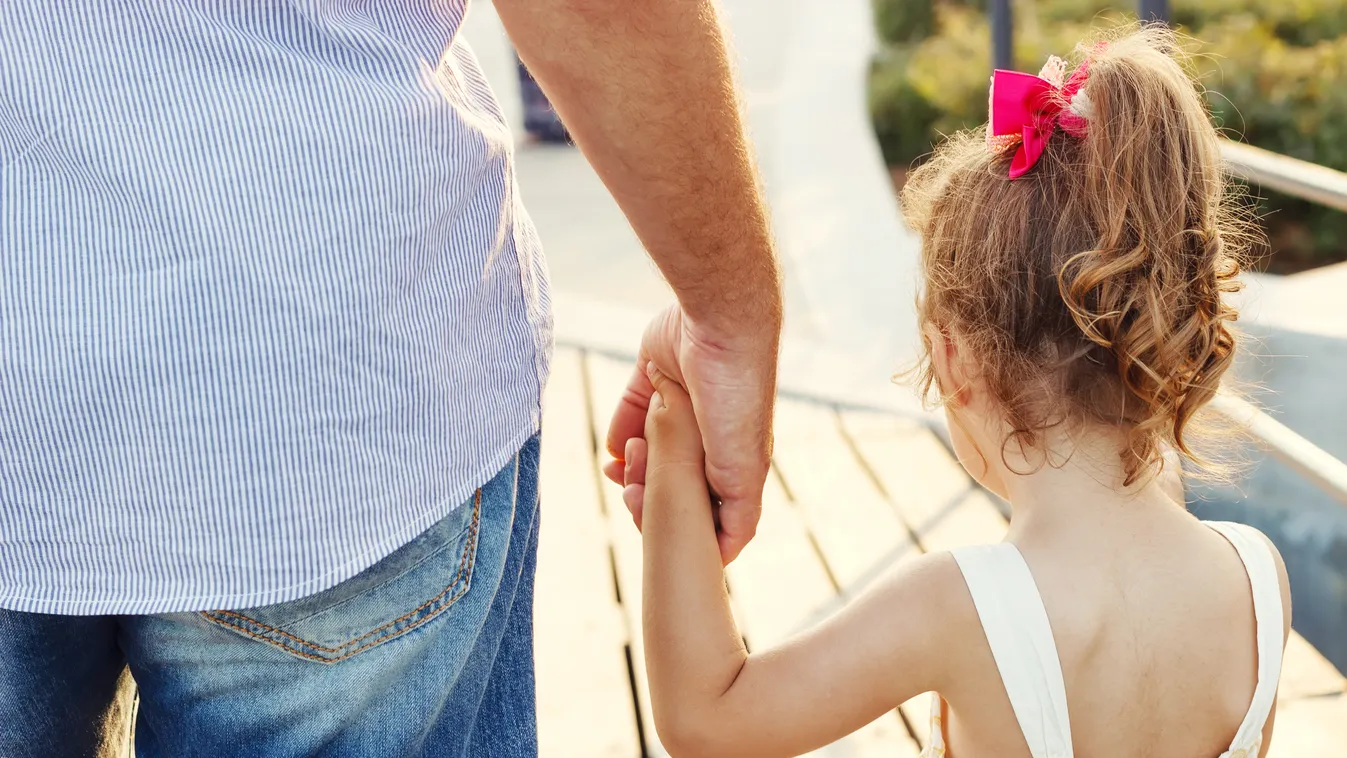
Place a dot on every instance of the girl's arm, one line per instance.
(710, 697)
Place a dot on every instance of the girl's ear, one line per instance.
(950, 377)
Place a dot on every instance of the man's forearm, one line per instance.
(645, 88)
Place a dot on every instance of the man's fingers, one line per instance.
(630, 473)
(634, 470)
(615, 471)
(633, 495)
(629, 418)
(668, 389)
(660, 345)
(738, 524)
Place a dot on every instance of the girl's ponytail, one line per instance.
(1150, 291)
(1092, 283)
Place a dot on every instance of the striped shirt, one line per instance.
(269, 306)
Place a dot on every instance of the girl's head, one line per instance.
(1084, 298)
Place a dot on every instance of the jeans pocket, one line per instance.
(414, 585)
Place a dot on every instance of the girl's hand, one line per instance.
(671, 450)
(708, 696)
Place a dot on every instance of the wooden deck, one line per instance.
(851, 492)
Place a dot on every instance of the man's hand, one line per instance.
(732, 383)
(646, 90)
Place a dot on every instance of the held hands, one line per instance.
(670, 456)
(730, 386)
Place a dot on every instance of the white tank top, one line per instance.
(1016, 623)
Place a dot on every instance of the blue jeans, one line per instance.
(427, 653)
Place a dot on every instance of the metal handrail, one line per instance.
(1317, 184)
(1299, 454)
(1302, 179)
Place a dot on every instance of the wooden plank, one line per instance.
(779, 578)
(973, 520)
(607, 378)
(917, 711)
(914, 468)
(1315, 726)
(585, 704)
(854, 524)
(934, 495)
(1306, 673)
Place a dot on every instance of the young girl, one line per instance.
(1075, 259)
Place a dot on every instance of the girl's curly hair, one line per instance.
(1092, 289)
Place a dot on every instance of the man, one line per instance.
(273, 334)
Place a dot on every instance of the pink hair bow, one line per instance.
(1025, 110)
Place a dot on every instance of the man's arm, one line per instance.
(645, 89)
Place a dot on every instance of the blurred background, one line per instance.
(841, 99)
(1273, 71)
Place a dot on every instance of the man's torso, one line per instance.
(268, 302)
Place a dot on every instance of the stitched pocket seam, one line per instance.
(264, 633)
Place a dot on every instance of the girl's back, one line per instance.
(1076, 327)
(1155, 635)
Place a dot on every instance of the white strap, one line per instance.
(1016, 624)
(1256, 556)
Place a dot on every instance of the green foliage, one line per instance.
(1288, 99)
(904, 119)
(904, 21)
(1298, 22)
(1274, 71)
(1283, 97)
